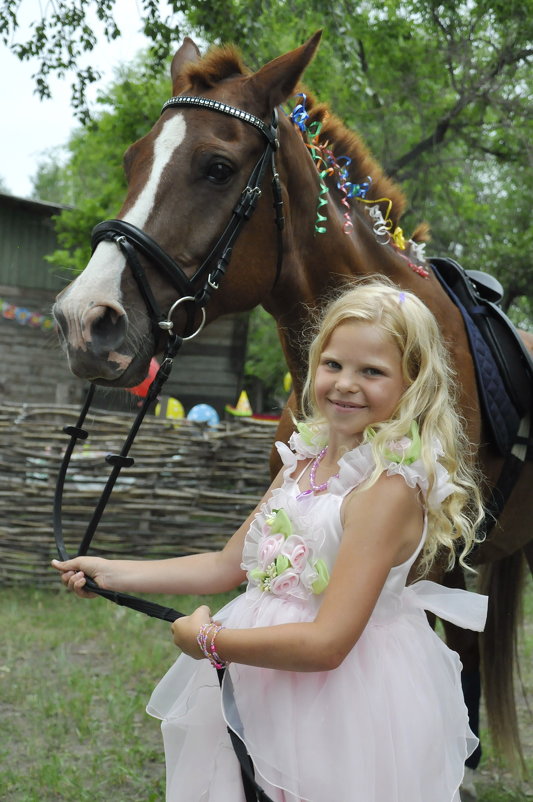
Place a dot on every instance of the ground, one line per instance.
(74, 680)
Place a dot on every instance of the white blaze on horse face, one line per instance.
(170, 137)
(99, 284)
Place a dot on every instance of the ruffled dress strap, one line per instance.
(304, 444)
(357, 465)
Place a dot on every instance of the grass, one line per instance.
(75, 677)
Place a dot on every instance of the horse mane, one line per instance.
(218, 64)
(342, 142)
(225, 61)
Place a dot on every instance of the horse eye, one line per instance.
(219, 172)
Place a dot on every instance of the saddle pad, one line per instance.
(499, 409)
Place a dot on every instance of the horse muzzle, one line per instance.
(97, 344)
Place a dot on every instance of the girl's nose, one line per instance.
(346, 383)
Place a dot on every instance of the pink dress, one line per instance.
(388, 725)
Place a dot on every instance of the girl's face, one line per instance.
(358, 381)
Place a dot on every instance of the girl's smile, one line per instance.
(359, 380)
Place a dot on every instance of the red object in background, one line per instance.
(142, 389)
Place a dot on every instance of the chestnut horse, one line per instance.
(185, 181)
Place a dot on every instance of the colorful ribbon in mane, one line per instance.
(328, 164)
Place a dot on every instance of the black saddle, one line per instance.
(504, 373)
(504, 369)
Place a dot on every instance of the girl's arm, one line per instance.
(382, 528)
(206, 573)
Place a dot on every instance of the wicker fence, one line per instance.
(190, 486)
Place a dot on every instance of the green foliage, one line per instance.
(92, 179)
(51, 182)
(264, 356)
(438, 91)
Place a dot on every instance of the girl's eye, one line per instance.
(219, 172)
(373, 372)
(330, 363)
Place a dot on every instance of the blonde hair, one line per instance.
(429, 399)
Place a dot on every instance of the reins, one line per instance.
(133, 241)
(117, 462)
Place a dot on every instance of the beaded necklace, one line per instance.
(312, 474)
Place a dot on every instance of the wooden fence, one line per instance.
(189, 489)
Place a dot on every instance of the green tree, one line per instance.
(58, 40)
(264, 358)
(51, 181)
(439, 91)
(91, 179)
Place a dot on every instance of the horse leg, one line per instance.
(466, 644)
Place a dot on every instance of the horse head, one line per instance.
(185, 181)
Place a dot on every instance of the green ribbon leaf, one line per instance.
(411, 454)
(322, 580)
(282, 563)
(280, 523)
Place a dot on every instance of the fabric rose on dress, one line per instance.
(269, 548)
(280, 554)
(308, 441)
(286, 584)
(406, 450)
(296, 550)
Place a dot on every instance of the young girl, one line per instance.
(336, 683)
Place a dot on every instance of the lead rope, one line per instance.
(119, 231)
(252, 791)
(118, 462)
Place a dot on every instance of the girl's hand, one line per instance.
(185, 630)
(73, 574)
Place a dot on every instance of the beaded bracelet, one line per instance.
(210, 653)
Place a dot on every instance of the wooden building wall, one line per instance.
(33, 368)
(26, 235)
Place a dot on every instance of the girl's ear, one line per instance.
(277, 80)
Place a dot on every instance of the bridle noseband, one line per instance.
(199, 288)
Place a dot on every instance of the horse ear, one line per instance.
(187, 52)
(277, 80)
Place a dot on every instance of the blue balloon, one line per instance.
(203, 413)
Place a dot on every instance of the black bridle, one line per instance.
(195, 291)
(200, 286)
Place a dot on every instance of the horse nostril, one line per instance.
(105, 328)
(62, 325)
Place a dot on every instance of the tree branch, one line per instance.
(470, 94)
